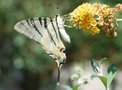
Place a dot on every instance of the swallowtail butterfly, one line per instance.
(47, 32)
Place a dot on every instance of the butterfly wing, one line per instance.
(42, 30)
(60, 24)
(46, 32)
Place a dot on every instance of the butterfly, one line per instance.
(47, 32)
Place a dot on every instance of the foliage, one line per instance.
(105, 79)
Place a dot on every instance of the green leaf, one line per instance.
(103, 80)
(75, 87)
(112, 68)
(111, 74)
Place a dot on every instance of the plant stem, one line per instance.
(107, 88)
(119, 20)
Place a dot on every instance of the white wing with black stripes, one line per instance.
(47, 32)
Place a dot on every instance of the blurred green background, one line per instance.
(23, 63)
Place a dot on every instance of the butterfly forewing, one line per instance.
(42, 30)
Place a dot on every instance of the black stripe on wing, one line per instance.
(45, 25)
(40, 20)
(28, 22)
(25, 26)
(33, 24)
(56, 31)
(57, 22)
(44, 22)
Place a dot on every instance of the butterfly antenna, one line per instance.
(52, 8)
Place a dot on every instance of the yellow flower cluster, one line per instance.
(93, 17)
(83, 18)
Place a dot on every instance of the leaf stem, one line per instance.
(119, 20)
(107, 88)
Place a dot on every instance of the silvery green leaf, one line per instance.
(112, 70)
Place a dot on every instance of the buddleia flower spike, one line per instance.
(96, 18)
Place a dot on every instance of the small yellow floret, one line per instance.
(95, 30)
